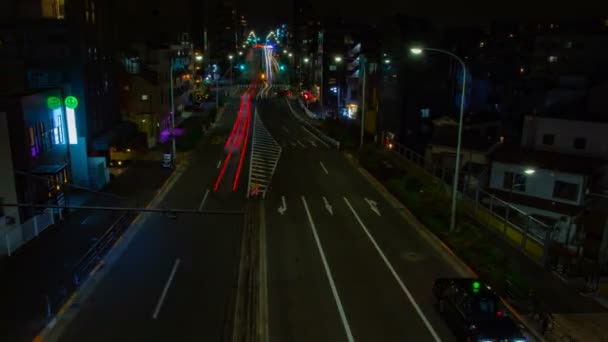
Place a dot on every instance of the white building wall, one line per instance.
(565, 132)
(540, 184)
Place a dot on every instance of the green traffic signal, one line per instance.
(476, 286)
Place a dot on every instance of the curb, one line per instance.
(49, 332)
(453, 260)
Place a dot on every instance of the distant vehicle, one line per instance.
(283, 93)
(474, 312)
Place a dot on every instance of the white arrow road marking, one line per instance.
(165, 289)
(373, 206)
(200, 207)
(328, 206)
(283, 208)
(390, 267)
(330, 278)
(324, 168)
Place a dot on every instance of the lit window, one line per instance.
(53, 9)
(511, 35)
(522, 70)
(482, 44)
(568, 45)
(552, 59)
(144, 97)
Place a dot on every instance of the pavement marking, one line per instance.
(328, 206)
(394, 273)
(165, 289)
(315, 136)
(324, 168)
(312, 143)
(300, 143)
(285, 129)
(334, 291)
(283, 208)
(200, 207)
(219, 163)
(373, 205)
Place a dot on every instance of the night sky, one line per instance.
(271, 12)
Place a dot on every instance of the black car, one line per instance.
(474, 312)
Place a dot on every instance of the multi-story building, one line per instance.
(145, 86)
(35, 139)
(64, 44)
(224, 26)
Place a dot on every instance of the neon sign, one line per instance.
(71, 103)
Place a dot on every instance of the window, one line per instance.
(580, 143)
(144, 97)
(552, 59)
(565, 190)
(514, 182)
(548, 139)
(53, 9)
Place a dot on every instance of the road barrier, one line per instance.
(322, 135)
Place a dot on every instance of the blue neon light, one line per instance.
(71, 120)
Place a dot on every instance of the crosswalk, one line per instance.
(265, 155)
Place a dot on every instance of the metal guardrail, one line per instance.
(322, 135)
(90, 259)
(534, 233)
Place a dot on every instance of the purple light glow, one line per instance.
(165, 134)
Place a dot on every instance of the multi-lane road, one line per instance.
(342, 263)
(176, 279)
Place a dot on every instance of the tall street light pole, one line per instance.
(363, 94)
(230, 57)
(338, 60)
(173, 149)
(418, 51)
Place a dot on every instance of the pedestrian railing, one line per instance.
(519, 228)
(92, 257)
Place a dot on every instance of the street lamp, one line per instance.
(240, 53)
(529, 171)
(418, 51)
(230, 57)
(198, 58)
(338, 60)
(290, 54)
(306, 60)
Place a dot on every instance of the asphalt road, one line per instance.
(342, 264)
(176, 281)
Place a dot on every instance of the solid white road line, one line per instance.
(300, 143)
(349, 334)
(394, 273)
(200, 207)
(315, 136)
(165, 289)
(219, 163)
(323, 167)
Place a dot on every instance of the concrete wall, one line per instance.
(539, 185)
(8, 190)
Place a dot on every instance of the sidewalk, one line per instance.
(577, 316)
(38, 277)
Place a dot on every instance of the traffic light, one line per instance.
(242, 67)
(476, 286)
(281, 67)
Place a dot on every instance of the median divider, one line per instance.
(322, 135)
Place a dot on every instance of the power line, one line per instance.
(133, 209)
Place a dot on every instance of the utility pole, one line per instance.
(174, 152)
(363, 94)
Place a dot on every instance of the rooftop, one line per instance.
(547, 160)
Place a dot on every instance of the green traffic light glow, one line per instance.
(71, 102)
(476, 286)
